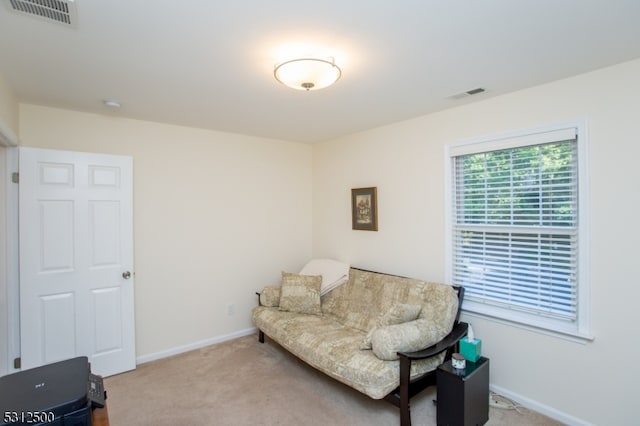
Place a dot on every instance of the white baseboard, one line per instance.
(540, 408)
(192, 346)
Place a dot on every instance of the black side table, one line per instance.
(463, 396)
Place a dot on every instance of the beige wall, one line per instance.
(216, 217)
(572, 381)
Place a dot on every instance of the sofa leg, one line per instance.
(405, 409)
(405, 416)
(260, 336)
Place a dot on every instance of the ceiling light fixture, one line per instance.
(308, 73)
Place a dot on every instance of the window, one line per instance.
(514, 234)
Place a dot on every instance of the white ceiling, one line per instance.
(209, 64)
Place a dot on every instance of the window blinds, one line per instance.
(515, 223)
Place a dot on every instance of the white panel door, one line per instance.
(76, 259)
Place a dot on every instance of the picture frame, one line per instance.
(364, 209)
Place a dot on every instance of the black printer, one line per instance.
(58, 394)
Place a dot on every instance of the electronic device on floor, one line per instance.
(96, 392)
(58, 394)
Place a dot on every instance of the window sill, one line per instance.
(565, 335)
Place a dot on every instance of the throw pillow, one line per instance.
(407, 337)
(398, 314)
(300, 293)
(270, 296)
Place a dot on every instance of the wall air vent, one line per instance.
(468, 93)
(59, 11)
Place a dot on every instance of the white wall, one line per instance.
(216, 217)
(593, 382)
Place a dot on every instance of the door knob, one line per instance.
(126, 275)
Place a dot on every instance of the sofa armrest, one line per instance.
(449, 342)
(270, 296)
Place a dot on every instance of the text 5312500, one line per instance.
(28, 417)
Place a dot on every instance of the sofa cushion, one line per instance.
(300, 293)
(326, 344)
(398, 314)
(359, 302)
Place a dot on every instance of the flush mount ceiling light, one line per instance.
(308, 73)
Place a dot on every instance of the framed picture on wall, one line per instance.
(364, 209)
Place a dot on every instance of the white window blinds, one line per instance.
(515, 224)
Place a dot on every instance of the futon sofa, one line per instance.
(381, 334)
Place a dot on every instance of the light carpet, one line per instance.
(243, 382)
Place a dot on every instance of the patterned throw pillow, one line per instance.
(398, 314)
(300, 293)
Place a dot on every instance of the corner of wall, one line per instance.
(9, 114)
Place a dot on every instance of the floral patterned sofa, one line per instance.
(377, 333)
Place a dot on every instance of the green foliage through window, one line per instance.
(534, 185)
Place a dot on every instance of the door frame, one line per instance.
(4, 244)
(9, 280)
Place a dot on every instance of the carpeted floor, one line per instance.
(243, 382)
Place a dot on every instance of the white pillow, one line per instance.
(334, 273)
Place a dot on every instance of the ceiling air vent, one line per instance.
(60, 11)
(468, 93)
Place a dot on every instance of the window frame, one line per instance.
(579, 330)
